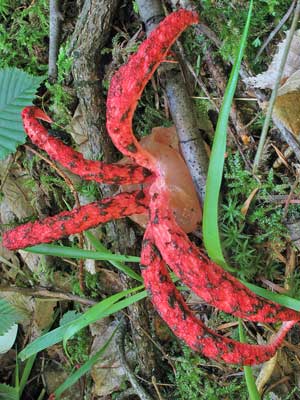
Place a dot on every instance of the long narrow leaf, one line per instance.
(93, 314)
(73, 252)
(250, 381)
(57, 335)
(211, 235)
(120, 266)
(282, 299)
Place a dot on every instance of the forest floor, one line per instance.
(259, 211)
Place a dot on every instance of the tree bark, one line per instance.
(181, 106)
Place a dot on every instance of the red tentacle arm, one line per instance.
(129, 81)
(70, 222)
(73, 160)
(205, 278)
(171, 306)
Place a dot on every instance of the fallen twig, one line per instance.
(54, 32)
(275, 89)
(139, 390)
(277, 29)
(181, 106)
(46, 293)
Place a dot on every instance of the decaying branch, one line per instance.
(138, 389)
(181, 105)
(54, 31)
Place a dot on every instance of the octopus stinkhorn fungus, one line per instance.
(163, 144)
(165, 242)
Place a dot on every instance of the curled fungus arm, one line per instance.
(171, 306)
(73, 160)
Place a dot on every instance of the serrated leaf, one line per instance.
(8, 316)
(69, 317)
(17, 90)
(8, 339)
(8, 392)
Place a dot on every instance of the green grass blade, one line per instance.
(250, 381)
(73, 252)
(93, 314)
(120, 266)
(26, 373)
(86, 367)
(211, 234)
(281, 299)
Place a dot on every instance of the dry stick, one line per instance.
(275, 89)
(48, 294)
(181, 106)
(244, 74)
(287, 136)
(9, 164)
(219, 77)
(139, 390)
(54, 31)
(196, 77)
(277, 29)
(154, 383)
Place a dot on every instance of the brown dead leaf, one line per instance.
(43, 314)
(266, 373)
(287, 104)
(268, 78)
(247, 203)
(281, 156)
(246, 140)
(77, 127)
(107, 374)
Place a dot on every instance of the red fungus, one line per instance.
(79, 219)
(205, 278)
(163, 235)
(171, 306)
(74, 161)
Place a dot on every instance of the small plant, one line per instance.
(61, 97)
(226, 18)
(196, 379)
(24, 31)
(244, 235)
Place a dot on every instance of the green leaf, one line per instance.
(73, 252)
(249, 377)
(211, 235)
(8, 316)
(8, 392)
(72, 379)
(17, 90)
(69, 316)
(93, 314)
(120, 266)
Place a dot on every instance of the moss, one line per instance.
(24, 35)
